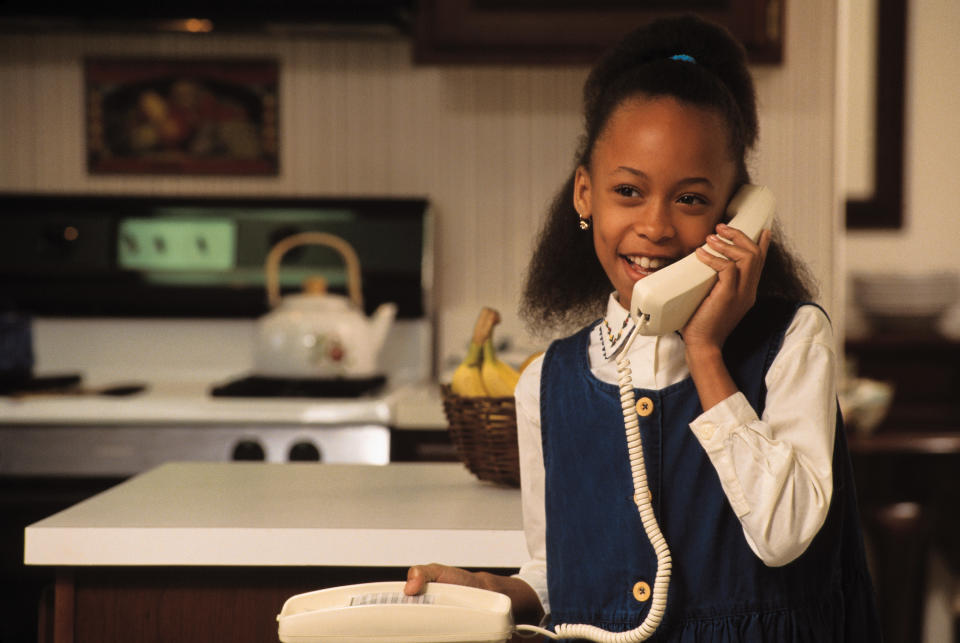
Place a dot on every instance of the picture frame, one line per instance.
(576, 31)
(884, 209)
(182, 116)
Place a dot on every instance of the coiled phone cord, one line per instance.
(642, 498)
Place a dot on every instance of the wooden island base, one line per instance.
(184, 604)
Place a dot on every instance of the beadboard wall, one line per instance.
(487, 145)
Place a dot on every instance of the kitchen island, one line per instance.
(209, 551)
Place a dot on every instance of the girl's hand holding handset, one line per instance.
(734, 293)
(738, 275)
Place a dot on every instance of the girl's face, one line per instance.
(659, 180)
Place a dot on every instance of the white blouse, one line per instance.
(776, 470)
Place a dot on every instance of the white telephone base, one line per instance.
(382, 612)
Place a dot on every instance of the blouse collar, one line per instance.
(614, 328)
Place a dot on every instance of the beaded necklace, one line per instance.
(611, 338)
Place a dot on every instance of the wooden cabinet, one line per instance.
(24, 500)
(574, 31)
(908, 490)
(186, 604)
(908, 471)
(925, 372)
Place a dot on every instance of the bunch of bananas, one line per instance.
(481, 373)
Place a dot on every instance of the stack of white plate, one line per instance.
(903, 302)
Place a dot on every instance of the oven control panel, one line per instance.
(203, 257)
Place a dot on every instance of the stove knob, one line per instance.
(60, 241)
(304, 452)
(248, 450)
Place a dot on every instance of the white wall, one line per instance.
(487, 145)
(932, 153)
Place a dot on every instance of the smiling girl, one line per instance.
(745, 453)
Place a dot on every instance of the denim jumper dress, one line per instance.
(598, 556)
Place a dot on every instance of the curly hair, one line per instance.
(565, 284)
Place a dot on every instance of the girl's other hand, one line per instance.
(524, 602)
(735, 292)
(419, 575)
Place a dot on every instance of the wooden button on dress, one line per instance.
(641, 591)
(644, 407)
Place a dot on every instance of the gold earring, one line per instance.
(584, 223)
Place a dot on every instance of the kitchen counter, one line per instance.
(255, 514)
(199, 552)
(419, 407)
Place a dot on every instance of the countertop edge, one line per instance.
(60, 546)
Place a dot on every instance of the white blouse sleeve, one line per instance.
(534, 571)
(776, 471)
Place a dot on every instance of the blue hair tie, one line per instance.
(684, 57)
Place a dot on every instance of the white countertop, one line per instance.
(255, 514)
(410, 406)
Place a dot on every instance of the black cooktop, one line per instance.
(69, 384)
(261, 386)
(28, 383)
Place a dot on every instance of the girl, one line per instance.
(745, 454)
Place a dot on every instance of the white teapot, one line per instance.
(315, 334)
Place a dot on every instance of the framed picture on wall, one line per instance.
(181, 116)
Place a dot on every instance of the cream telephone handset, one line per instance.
(661, 303)
(664, 301)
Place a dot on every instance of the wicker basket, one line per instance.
(484, 432)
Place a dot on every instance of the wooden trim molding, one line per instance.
(574, 31)
(885, 208)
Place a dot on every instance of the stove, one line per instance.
(174, 411)
(172, 337)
